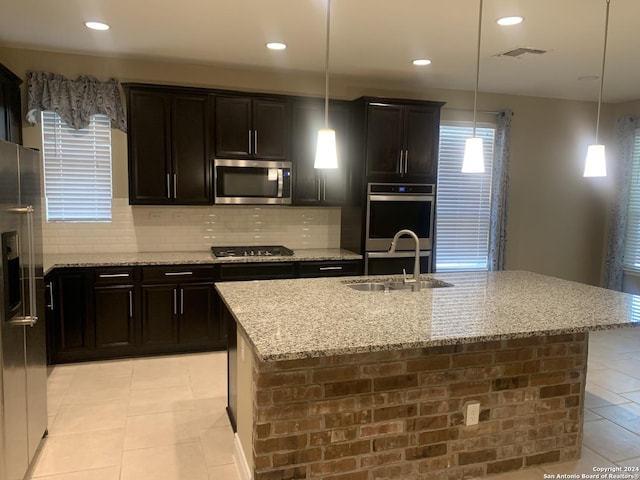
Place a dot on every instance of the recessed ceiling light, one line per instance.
(421, 62)
(510, 21)
(276, 46)
(96, 25)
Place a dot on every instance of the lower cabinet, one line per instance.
(69, 329)
(100, 313)
(179, 314)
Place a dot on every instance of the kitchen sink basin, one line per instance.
(367, 287)
(396, 285)
(424, 284)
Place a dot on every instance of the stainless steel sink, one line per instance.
(367, 287)
(396, 285)
(432, 283)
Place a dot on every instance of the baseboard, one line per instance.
(241, 460)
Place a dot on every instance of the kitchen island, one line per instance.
(333, 382)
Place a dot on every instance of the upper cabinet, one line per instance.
(312, 186)
(169, 160)
(401, 140)
(252, 127)
(10, 106)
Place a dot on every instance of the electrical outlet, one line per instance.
(472, 414)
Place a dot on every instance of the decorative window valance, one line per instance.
(74, 100)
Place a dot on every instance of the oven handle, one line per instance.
(401, 198)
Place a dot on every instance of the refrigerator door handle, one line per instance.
(32, 318)
(27, 321)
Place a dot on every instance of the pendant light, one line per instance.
(326, 156)
(473, 161)
(596, 165)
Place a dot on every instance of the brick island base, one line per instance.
(400, 414)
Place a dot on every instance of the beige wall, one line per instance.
(556, 219)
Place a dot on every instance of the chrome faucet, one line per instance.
(416, 265)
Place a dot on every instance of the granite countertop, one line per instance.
(292, 319)
(177, 258)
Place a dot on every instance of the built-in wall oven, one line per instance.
(392, 207)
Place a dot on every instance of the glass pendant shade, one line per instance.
(326, 156)
(473, 156)
(595, 165)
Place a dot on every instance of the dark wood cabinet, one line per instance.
(68, 316)
(252, 127)
(256, 271)
(168, 139)
(114, 316)
(10, 106)
(114, 309)
(319, 187)
(179, 307)
(402, 140)
(159, 323)
(335, 268)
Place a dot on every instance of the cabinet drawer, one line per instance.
(329, 268)
(177, 273)
(256, 271)
(112, 275)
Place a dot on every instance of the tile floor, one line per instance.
(163, 417)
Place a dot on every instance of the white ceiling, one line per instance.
(369, 38)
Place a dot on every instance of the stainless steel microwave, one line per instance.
(252, 182)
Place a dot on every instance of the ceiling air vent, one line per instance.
(520, 51)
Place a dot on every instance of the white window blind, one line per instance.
(463, 202)
(77, 169)
(631, 258)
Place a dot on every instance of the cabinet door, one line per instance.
(5, 133)
(384, 139)
(196, 309)
(319, 187)
(191, 163)
(233, 127)
(70, 330)
(149, 148)
(271, 129)
(421, 141)
(159, 315)
(114, 316)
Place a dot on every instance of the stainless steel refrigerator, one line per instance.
(23, 370)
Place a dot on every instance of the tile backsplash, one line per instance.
(187, 229)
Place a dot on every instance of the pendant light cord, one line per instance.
(475, 95)
(604, 57)
(326, 68)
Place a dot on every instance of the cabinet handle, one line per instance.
(255, 142)
(113, 275)
(175, 301)
(130, 304)
(249, 142)
(324, 189)
(50, 287)
(175, 185)
(330, 268)
(319, 180)
(168, 186)
(406, 161)
(181, 301)
(175, 274)
(400, 162)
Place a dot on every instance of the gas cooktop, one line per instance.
(252, 251)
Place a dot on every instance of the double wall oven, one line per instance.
(392, 207)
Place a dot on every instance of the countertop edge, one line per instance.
(434, 343)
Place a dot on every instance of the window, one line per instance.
(631, 258)
(77, 169)
(463, 202)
